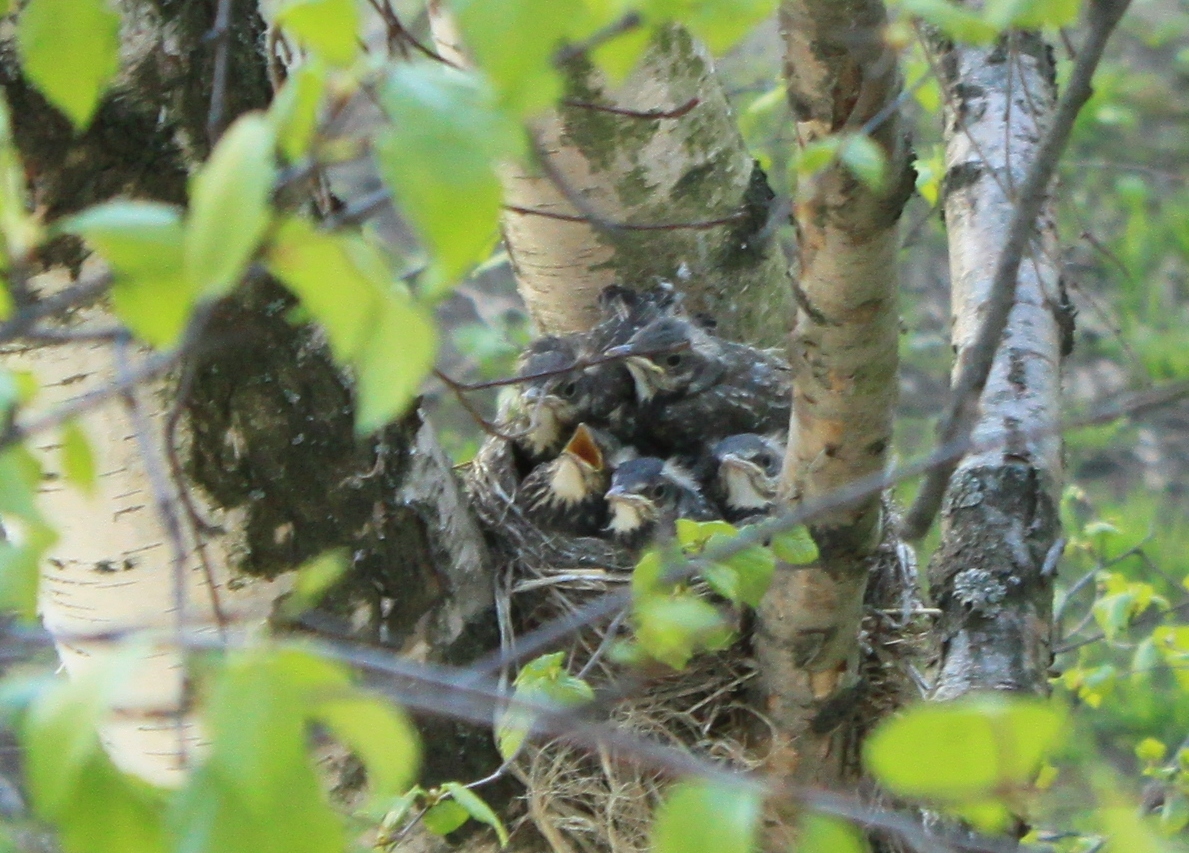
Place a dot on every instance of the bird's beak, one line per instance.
(645, 374)
(582, 445)
(734, 462)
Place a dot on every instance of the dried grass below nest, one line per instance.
(580, 802)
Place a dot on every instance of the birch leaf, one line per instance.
(825, 834)
(294, 110)
(317, 266)
(718, 23)
(78, 460)
(1002, 741)
(439, 158)
(143, 244)
(229, 208)
(380, 735)
(962, 24)
(514, 42)
(445, 817)
(328, 27)
(390, 369)
(71, 50)
(477, 809)
(703, 817)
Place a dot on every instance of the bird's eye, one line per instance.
(569, 389)
(769, 464)
(673, 359)
(660, 491)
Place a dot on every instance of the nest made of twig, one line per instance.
(583, 802)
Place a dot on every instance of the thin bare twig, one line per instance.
(164, 501)
(51, 306)
(677, 112)
(961, 412)
(220, 35)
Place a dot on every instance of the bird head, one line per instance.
(579, 469)
(644, 492)
(547, 404)
(747, 469)
(671, 355)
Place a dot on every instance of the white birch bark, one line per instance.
(109, 581)
(686, 170)
(1000, 516)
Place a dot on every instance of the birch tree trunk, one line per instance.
(841, 78)
(267, 448)
(628, 197)
(992, 574)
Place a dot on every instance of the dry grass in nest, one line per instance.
(580, 802)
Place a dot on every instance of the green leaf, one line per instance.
(257, 791)
(380, 735)
(693, 535)
(795, 546)
(21, 232)
(514, 42)
(672, 629)
(312, 579)
(751, 568)
(865, 159)
(1002, 741)
(958, 23)
(477, 809)
(78, 460)
(27, 536)
(439, 158)
(542, 680)
(111, 812)
(229, 205)
(826, 834)
(137, 238)
(20, 566)
(70, 49)
(143, 242)
(718, 23)
(703, 817)
(294, 110)
(72, 782)
(445, 817)
(1031, 14)
(328, 27)
(318, 266)
(394, 362)
(60, 740)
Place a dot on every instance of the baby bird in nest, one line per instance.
(566, 494)
(565, 383)
(692, 385)
(744, 472)
(646, 498)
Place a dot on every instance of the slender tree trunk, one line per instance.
(841, 77)
(992, 574)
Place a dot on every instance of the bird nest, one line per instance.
(683, 392)
(576, 799)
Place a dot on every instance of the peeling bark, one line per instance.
(1000, 516)
(689, 169)
(841, 76)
